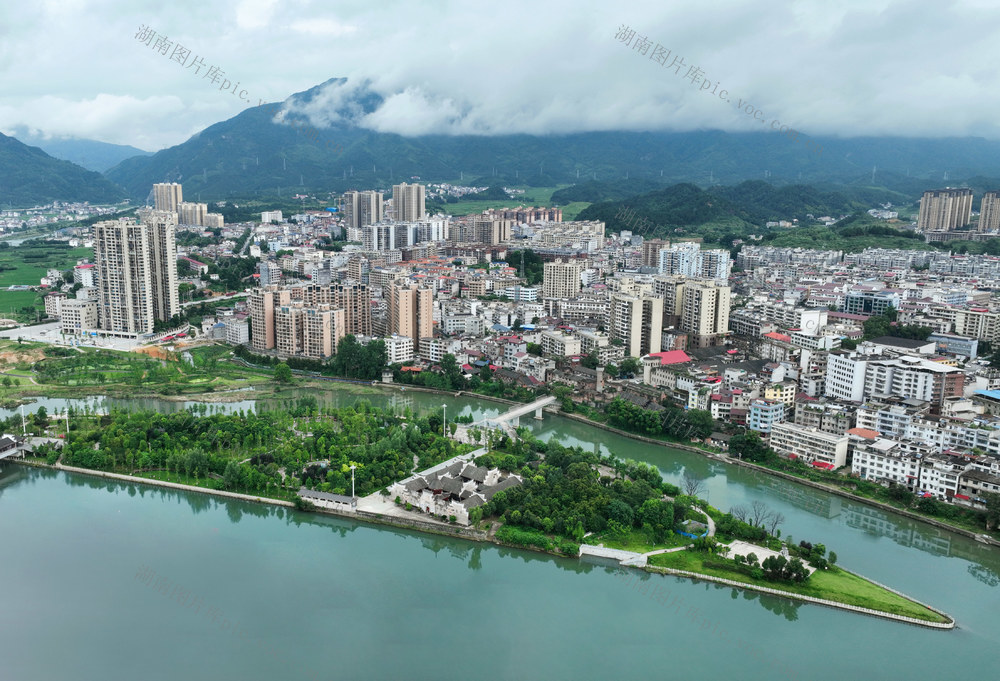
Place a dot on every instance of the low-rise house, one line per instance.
(453, 490)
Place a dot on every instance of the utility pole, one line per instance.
(352, 479)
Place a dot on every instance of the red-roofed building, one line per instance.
(669, 357)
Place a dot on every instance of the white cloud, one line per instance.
(322, 27)
(849, 68)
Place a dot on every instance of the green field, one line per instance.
(12, 301)
(27, 264)
(832, 584)
(532, 196)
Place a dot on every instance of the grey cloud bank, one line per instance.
(883, 67)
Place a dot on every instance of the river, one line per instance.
(289, 595)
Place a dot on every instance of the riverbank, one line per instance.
(474, 534)
(831, 489)
(947, 625)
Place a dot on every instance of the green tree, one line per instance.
(630, 365)
(283, 373)
(749, 446)
(701, 422)
(992, 509)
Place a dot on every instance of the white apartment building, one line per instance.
(77, 317)
(824, 450)
(845, 376)
(561, 279)
(560, 344)
(399, 349)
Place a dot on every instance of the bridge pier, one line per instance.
(538, 414)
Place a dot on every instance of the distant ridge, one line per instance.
(29, 176)
(250, 153)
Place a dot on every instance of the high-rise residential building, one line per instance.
(162, 226)
(689, 260)
(408, 202)
(167, 196)
(362, 208)
(942, 210)
(680, 258)
(136, 272)
(269, 216)
(714, 264)
(491, 231)
(269, 273)
(189, 213)
(705, 313)
(637, 321)
(670, 288)
(989, 212)
(411, 310)
(293, 323)
(561, 279)
(354, 299)
(262, 303)
(651, 251)
(308, 331)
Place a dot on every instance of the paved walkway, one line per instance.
(742, 548)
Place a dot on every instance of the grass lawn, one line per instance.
(637, 540)
(833, 585)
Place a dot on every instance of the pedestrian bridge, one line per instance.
(506, 422)
(513, 415)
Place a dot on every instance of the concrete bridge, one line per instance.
(505, 422)
(514, 414)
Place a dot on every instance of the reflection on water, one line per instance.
(727, 485)
(804, 498)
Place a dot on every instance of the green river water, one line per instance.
(109, 581)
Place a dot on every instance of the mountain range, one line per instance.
(89, 154)
(252, 153)
(316, 141)
(29, 176)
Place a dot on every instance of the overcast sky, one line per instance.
(850, 67)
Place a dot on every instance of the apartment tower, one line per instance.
(136, 267)
(943, 210)
(408, 202)
(705, 313)
(362, 208)
(989, 212)
(167, 196)
(637, 321)
(411, 310)
(561, 279)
